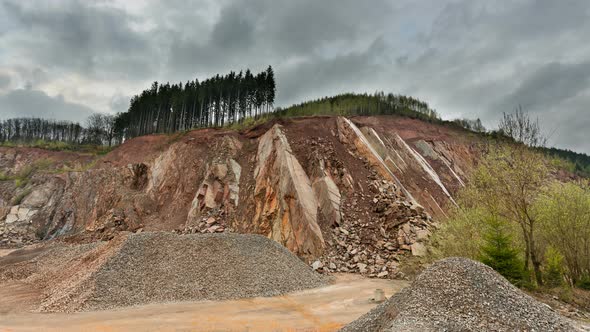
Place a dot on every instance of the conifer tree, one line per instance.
(498, 253)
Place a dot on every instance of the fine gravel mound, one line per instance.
(166, 267)
(458, 294)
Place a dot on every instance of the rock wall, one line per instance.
(349, 193)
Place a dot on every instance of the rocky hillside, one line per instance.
(346, 194)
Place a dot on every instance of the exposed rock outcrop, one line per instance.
(328, 197)
(397, 161)
(312, 184)
(285, 201)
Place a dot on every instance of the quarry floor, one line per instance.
(321, 309)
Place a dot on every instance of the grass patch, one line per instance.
(248, 123)
(80, 168)
(60, 146)
(23, 176)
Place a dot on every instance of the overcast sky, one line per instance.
(66, 59)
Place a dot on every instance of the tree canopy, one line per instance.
(214, 102)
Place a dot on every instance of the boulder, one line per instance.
(418, 249)
(11, 218)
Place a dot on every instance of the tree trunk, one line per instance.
(535, 260)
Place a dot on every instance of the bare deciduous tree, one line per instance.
(520, 127)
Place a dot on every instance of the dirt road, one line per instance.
(322, 309)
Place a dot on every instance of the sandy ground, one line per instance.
(4, 252)
(322, 309)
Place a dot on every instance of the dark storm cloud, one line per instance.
(466, 58)
(32, 103)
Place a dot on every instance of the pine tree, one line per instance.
(271, 87)
(497, 252)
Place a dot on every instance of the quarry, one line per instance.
(313, 215)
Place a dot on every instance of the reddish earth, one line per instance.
(318, 310)
(168, 182)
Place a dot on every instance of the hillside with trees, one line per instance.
(224, 100)
(214, 102)
(349, 104)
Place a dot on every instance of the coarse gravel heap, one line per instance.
(458, 294)
(158, 267)
(164, 267)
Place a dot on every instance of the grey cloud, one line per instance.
(80, 36)
(333, 75)
(4, 80)
(34, 103)
(465, 58)
(307, 26)
(233, 30)
(119, 103)
(549, 86)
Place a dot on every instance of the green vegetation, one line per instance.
(94, 149)
(584, 283)
(350, 104)
(78, 168)
(516, 219)
(214, 102)
(497, 251)
(554, 268)
(578, 163)
(563, 210)
(22, 177)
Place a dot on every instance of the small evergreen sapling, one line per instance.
(498, 253)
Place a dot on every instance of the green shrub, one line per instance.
(25, 172)
(584, 282)
(553, 270)
(563, 214)
(21, 182)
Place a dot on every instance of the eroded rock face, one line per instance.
(350, 134)
(316, 188)
(397, 161)
(285, 201)
(219, 190)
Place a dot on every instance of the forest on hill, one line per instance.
(349, 104)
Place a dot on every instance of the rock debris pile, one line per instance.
(211, 223)
(372, 243)
(458, 294)
(16, 228)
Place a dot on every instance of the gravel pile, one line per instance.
(166, 267)
(457, 294)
